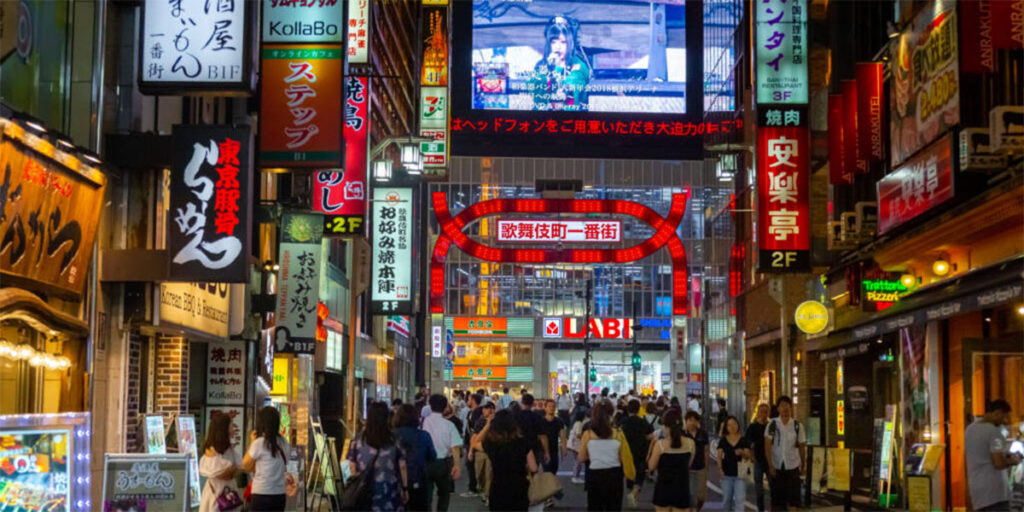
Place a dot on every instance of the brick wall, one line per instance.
(171, 393)
(132, 425)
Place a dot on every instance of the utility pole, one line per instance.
(586, 338)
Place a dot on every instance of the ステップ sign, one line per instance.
(923, 182)
(783, 183)
(300, 99)
(391, 279)
(210, 214)
(303, 21)
(578, 231)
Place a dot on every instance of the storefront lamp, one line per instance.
(382, 170)
(908, 280)
(411, 158)
(940, 267)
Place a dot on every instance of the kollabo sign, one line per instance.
(303, 21)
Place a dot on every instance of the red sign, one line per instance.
(1007, 24)
(594, 127)
(579, 231)
(923, 182)
(977, 50)
(351, 190)
(869, 112)
(851, 133)
(838, 175)
(602, 328)
(783, 191)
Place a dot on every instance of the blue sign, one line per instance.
(448, 364)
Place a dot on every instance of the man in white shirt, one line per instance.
(785, 442)
(447, 443)
(505, 399)
(693, 404)
(564, 404)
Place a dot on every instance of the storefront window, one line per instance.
(499, 354)
(522, 354)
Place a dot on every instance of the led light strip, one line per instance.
(33, 356)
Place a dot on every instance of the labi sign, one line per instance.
(303, 21)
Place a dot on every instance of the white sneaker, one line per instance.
(631, 500)
(468, 494)
(577, 480)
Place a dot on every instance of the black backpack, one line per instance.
(358, 492)
(774, 430)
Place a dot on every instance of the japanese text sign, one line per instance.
(781, 51)
(869, 112)
(204, 307)
(298, 283)
(48, 215)
(437, 341)
(210, 215)
(300, 106)
(678, 131)
(303, 21)
(136, 481)
(392, 251)
(479, 373)
(783, 190)
(434, 27)
(358, 31)
(925, 97)
(434, 150)
(194, 44)
(578, 231)
(344, 193)
(479, 326)
(837, 172)
(225, 373)
(923, 182)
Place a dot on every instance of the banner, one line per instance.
(298, 283)
(340, 194)
(783, 190)
(925, 88)
(48, 215)
(145, 482)
(211, 208)
(853, 162)
(194, 45)
(920, 184)
(434, 27)
(391, 283)
(1007, 24)
(977, 50)
(288, 21)
(869, 112)
(781, 51)
(358, 31)
(300, 106)
(837, 172)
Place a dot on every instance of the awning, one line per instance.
(18, 304)
(978, 289)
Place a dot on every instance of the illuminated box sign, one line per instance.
(194, 45)
(435, 45)
(300, 118)
(298, 283)
(599, 328)
(925, 102)
(781, 51)
(474, 326)
(883, 292)
(840, 418)
(923, 182)
(303, 21)
(391, 277)
(358, 31)
(479, 373)
(434, 107)
(576, 231)
(437, 341)
(434, 151)
(783, 183)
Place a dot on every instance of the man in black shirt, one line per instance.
(532, 425)
(638, 434)
(755, 434)
(699, 466)
(475, 413)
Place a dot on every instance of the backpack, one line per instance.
(774, 430)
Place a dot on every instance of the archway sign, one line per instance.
(664, 235)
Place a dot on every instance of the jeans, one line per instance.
(439, 478)
(604, 489)
(734, 493)
(785, 489)
(472, 474)
(760, 472)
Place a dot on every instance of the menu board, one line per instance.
(145, 482)
(839, 469)
(155, 436)
(34, 471)
(187, 446)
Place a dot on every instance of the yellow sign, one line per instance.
(838, 469)
(840, 416)
(919, 494)
(281, 376)
(811, 317)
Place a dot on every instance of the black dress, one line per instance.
(672, 488)
(510, 491)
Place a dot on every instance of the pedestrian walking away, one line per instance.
(419, 451)
(377, 451)
(670, 458)
(785, 443)
(267, 459)
(604, 447)
(447, 443)
(512, 460)
(701, 454)
(988, 458)
(219, 463)
(639, 433)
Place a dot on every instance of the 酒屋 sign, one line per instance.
(536, 230)
(391, 278)
(783, 190)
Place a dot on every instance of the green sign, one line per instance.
(781, 51)
(883, 290)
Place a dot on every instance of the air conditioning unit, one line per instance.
(976, 153)
(835, 238)
(866, 219)
(848, 229)
(1006, 129)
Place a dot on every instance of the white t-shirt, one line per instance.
(443, 433)
(603, 453)
(209, 467)
(786, 449)
(564, 402)
(268, 478)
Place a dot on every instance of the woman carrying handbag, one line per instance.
(267, 460)
(219, 465)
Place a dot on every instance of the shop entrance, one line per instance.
(992, 369)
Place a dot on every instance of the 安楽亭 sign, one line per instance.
(578, 231)
(298, 283)
(208, 239)
(288, 21)
(783, 190)
(781, 51)
(392, 251)
(921, 183)
(194, 45)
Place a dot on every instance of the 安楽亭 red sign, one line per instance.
(581, 231)
(783, 183)
(923, 182)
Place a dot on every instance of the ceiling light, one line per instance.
(908, 280)
(940, 267)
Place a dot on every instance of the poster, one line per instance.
(839, 469)
(187, 446)
(156, 441)
(145, 482)
(237, 414)
(225, 373)
(919, 494)
(34, 469)
(298, 283)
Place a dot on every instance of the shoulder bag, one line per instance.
(358, 492)
(543, 485)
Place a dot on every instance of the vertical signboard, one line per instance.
(869, 112)
(434, 124)
(194, 45)
(287, 21)
(392, 251)
(781, 51)
(225, 373)
(837, 172)
(977, 48)
(925, 97)
(852, 161)
(358, 31)
(783, 194)
(434, 27)
(920, 184)
(341, 194)
(298, 283)
(301, 88)
(211, 211)
(433, 107)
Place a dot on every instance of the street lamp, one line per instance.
(412, 160)
(382, 170)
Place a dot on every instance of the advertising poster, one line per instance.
(783, 191)
(225, 373)
(237, 414)
(298, 283)
(156, 438)
(211, 210)
(145, 483)
(839, 469)
(35, 470)
(300, 106)
(925, 97)
(187, 446)
(392, 251)
(781, 51)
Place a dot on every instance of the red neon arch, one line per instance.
(451, 233)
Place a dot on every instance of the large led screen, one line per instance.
(580, 56)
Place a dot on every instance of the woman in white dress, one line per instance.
(219, 464)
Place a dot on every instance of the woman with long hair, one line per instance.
(561, 76)
(267, 459)
(671, 457)
(732, 448)
(511, 462)
(603, 446)
(219, 463)
(375, 450)
(419, 450)
(575, 437)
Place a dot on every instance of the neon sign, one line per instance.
(883, 292)
(575, 231)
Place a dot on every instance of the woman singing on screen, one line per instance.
(560, 78)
